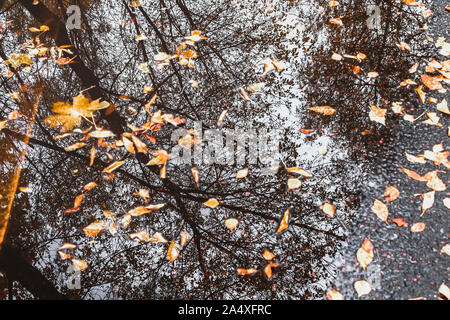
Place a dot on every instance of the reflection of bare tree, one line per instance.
(106, 59)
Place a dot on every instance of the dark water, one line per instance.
(363, 157)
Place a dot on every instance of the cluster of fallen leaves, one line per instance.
(365, 254)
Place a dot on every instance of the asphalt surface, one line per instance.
(406, 265)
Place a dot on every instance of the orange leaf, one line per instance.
(413, 175)
(79, 264)
(268, 255)
(325, 110)
(399, 222)
(391, 193)
(242, 271)
(113, 166)
(172, 252)
(212, 203)
(284, 221)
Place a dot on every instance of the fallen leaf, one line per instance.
(212, 203)
(242, 271)
(334, 295)
(428, 201)
(284, 223)
(158, 237)
(95, 228)
(362, 288)
(138, 211)
(380, 209)
(415, 159)
(399, 222)
(113, 166)
(325, 110)
(413, 175)
(445, 291)
(75, 146)
(140, 236)
(377, 114)
(365, 255)
(391, 193)
(268, 269)
(79, 264)
(184, 236)
(418, 227)
(172, 252)
(328, 209)
(268, 255)
(242, 173)
(446, 249)
(231, 223)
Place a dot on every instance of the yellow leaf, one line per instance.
(68, 116)
(231, 223)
